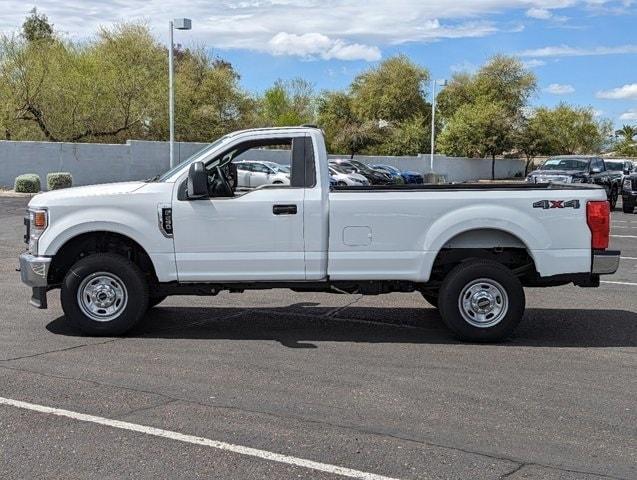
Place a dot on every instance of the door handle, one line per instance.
(284, 209)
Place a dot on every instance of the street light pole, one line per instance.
(179, 24)
(433, 121)
(171, 98)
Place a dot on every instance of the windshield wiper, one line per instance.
(152, 179)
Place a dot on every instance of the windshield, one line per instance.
(565, 164)
(615, 166)
(192, 158)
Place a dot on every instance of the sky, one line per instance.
(582, 51)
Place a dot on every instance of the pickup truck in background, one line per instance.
(116, 250)
(579, 169)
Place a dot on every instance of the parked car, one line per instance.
(408, 176)
(621, 168)
(578, 169)
(396, 176)
(252, 174)
(375, 177)
(350, 179)
(629, 192)
(116, 250)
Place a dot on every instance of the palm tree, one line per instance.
(628, 132)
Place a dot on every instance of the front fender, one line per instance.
(142, 227)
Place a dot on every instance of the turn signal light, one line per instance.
(598, 219)
(39, 220)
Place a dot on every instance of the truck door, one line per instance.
(251, 236)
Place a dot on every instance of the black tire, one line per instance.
(431, 298)
(154, 300)
(508, 308)
(628, 206)
(340, 183)
(104, 270)
(614, 195)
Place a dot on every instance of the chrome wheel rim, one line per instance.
(483, 303)
(102, 296)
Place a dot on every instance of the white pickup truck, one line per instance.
(116, 250)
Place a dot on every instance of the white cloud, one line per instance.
(628, 91)
(559, 89)
(568, 51)
(341, 29)
(534, 62)
(631, 114)
(539, 13)
(313, 45)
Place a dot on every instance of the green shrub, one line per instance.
(57, 180)
(27, 183)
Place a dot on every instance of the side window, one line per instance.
(270, 158)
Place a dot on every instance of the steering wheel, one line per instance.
(223, 185)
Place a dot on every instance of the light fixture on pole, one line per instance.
(442, 83)
(179, 24)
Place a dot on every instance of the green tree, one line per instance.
(502, 79)
(627, 145)
(290, 102)
(568, 129)
(36, 27)
(530, 140)
(627, 132)
(392, 91)
(113, 88)
(411, 137)
(480, 129)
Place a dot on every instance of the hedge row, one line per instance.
(30, 182)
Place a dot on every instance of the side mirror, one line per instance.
(626, 172)
(596, 170)
(197, 181)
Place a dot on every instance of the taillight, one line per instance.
(598, 219)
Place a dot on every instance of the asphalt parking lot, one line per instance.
(374, 385)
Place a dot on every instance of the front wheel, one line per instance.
(481, 301)
(104, 294)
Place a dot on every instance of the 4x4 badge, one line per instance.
(546, 204)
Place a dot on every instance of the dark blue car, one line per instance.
(408, 176)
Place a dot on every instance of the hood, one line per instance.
(75, 193)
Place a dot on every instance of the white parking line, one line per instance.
(624, 236)
(628, 258)
(619, 283)
(181, 437)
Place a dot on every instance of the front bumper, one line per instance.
(605, 262)
(34, 272)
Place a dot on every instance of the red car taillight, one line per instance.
(598, 219)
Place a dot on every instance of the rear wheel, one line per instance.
(628, 205)
(104, 294)
(481, 301)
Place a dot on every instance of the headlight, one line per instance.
(38, 222)
(628, 184)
